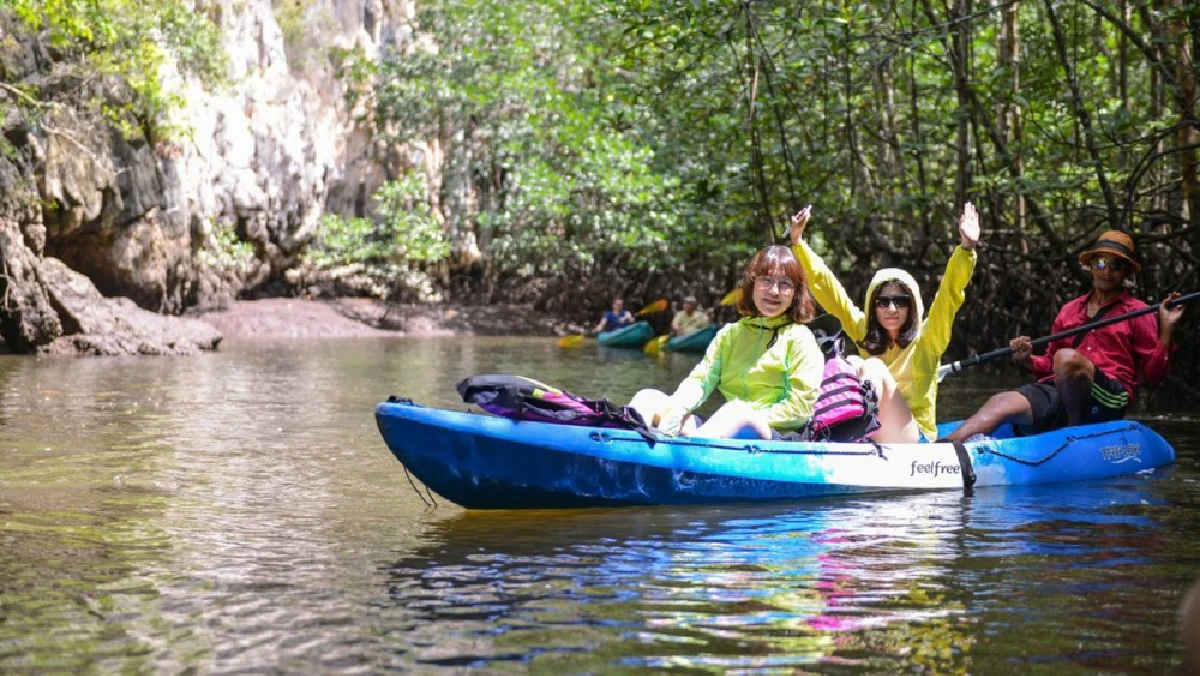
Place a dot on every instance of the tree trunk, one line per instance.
(1083, 117)
(914, 114)
(1186, 136)
(1156, 176)
(960, 41)
(1010, 59)
(860, 170)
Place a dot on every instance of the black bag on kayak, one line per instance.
(520, 398)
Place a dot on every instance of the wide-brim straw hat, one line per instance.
(1113, 243)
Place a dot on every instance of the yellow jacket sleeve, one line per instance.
(951, 293)
(828, 291)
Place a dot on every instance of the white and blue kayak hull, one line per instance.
(488, 462)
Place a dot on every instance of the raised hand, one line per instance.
(968, 227)
(799, 222)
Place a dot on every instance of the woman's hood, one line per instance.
(896, 275)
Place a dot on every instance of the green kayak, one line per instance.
(634, 335)
(695, 342)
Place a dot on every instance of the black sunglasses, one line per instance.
(899, 302)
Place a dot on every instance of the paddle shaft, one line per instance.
(957, 366)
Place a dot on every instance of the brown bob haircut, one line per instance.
(802, 310)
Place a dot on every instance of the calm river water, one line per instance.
(239, 512)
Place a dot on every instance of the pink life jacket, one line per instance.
(846, 408)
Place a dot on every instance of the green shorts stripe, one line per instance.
(1108, 398)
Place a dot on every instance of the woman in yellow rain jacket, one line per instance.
(905, 345)
(767, 365)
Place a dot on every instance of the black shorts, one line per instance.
(1107, 400)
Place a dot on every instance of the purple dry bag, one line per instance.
(520, 398)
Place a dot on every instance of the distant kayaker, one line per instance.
(767, 365)
(690, 319)
(615, 318)
(905, 345)
(1092, 377)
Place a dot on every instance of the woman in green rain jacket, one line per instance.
(767, 365)
(905, 346)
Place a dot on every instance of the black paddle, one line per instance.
(957, 366)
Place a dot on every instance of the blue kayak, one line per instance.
(695, 342)
(634, 335)
(488, 462)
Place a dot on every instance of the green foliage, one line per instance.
(404, 230)
(128, 41)
(291, 15)
(226, 252)
(645, 135)
(576, 183)
(345, 239)
(306, 26)
(406, 218)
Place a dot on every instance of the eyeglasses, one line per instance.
(784, 285)
(898, 302)
(1104, 263)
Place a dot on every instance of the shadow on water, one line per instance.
(866, 582)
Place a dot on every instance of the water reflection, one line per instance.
(873, 583)
(239, 512)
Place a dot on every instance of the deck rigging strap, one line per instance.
(1060, 449)
(964, 464)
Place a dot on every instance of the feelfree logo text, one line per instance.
(934, 467)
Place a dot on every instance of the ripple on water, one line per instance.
(238, 512)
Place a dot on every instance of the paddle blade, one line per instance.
(657, 306)
(656, 345)
(732, 297)
(570, 341)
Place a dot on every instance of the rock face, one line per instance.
(221, 210)
(26, 316)
(93, 324)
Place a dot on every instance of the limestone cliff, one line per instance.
(223, 208)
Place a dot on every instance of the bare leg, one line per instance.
(1073, 376)
(1008, 406)
(651, 404)
(896, 422)
(731, 419)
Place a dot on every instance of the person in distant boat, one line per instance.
(767, 365)
(690, 319)
(615, 318)
(905, 345)
(1092, 377)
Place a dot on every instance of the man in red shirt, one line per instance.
(1091, 377)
